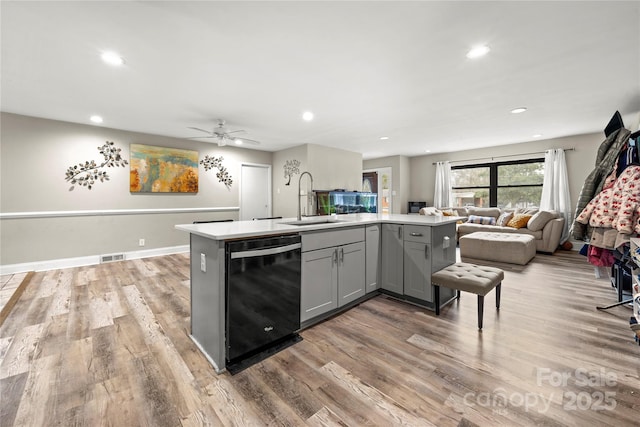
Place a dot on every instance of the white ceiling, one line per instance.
(366, 69)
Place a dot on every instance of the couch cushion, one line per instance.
(519, 220)
(485, 220)
(472, 210)
(540, 219)
(430, 211)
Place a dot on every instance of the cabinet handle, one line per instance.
(342, 255)
(426, 251)
(400, 232)
(334, 257)
(416, 234)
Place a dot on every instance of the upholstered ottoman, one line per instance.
(513, 248)
(463, 276)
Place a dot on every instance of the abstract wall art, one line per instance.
(163, 170)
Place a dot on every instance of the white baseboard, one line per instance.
(55, 264)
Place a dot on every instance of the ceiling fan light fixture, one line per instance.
(478, 51)
(112, 58)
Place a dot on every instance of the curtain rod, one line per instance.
(506, 155)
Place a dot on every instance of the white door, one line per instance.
(255, 191)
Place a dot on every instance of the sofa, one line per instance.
(545, 226)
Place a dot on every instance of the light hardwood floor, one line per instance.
(108, 345)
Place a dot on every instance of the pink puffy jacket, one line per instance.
(617, 206)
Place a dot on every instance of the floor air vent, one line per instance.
(111, 258)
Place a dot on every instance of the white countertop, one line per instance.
(270, 227)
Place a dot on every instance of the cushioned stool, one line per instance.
(514, 248)
(463, 276)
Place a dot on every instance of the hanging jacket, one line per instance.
(617, 206)
(605, 160)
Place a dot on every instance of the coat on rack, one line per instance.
(605, 161)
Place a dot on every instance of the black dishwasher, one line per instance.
(263, 298)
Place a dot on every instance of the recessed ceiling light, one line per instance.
(537, 135)
(96, 119)
(238, 141)
(519, 110)
(478, 51)
(307, 116)
(384, 138)
(427, 151)
(112, 58)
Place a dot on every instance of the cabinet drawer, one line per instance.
(325, 239)
(417, 233)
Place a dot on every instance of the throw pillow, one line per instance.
(539, 220)
(504, 219)
(519, 220)
(431, 211)
(449, 212)
(485, 220)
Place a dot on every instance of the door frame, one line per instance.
(383, 170)
(269, 187)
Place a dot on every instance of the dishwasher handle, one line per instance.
(263, 252)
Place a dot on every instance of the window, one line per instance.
(515, 184)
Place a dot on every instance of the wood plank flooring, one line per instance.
(108, 345)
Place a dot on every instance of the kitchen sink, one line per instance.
(314, 221)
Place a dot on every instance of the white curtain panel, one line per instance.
(442, 195)
(555, 187)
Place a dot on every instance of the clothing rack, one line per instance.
(503, 156)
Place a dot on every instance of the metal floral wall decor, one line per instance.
(210, 162)
(163, 170)
(88, 173)
(291, 167)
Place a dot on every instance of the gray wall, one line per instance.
(579, 162)
(35, 154)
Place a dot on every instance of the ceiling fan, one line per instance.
(223, 136)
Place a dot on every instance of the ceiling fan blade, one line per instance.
(201, 130)
(249, 141)
(236, 131)
(199, 137)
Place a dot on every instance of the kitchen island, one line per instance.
(345, 259)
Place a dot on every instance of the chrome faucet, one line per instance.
(299, 181)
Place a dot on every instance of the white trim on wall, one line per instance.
(55, 264)
(59, 214)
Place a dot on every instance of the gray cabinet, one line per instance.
(319, 291)
(392, 268)
(333, 270)
(410, 253)
(372, 257)
(417, 262)
(351, 269)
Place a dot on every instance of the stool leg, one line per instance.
(436, 298)
(480, 310)
(457, 294)
(498, 295)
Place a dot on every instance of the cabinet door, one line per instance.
(372, 262)
(392, 256)
(319, 290)
(417, 270)
(443, 242)
(351, 272)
